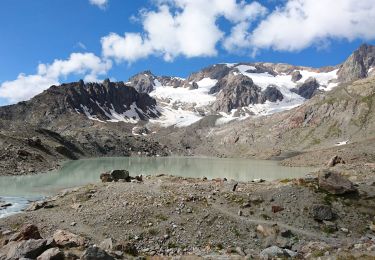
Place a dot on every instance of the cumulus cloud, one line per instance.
(100, 3)
(303, 23)
(26, 86)
(181, 27)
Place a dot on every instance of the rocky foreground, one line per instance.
(328, 214)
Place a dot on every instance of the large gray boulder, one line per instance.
(334, 183)
(52, 254)
(321, 212)
(31, 248)
(95, 253)
(296, 75)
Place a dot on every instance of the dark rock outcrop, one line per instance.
(96, 253)
(272, 94)
(236, 91)
(308, 89)
(97, 101)
(358, 64)
(296, 75)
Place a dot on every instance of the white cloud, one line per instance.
(303, 23)
(180, 27)
(100, 3)
(27, 86)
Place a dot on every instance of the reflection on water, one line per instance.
(76, 173)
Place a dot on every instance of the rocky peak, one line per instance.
(357, 66)
(143, 82)
(113, 101)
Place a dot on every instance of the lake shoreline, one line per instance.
(169, 215)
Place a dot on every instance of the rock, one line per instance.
(296, 76)
(266, 231)
(140, 130)
(107, 244)
(358, 64)
(335, 160)
(274, 252)
(258, 180)
(240, 251)
(36, 205)
(372, 227)
(31, 248)
(106, 177)
(334, 183)
(286, 233)
(26, 232)
(130, 249)
(276, 209)
(23, 153)
(272, 94)
(95, 253)
(240, 213)
(52, 254)
(256, 199)
(65, 238)
(5, 205)
(34, 141)
(308, 89)
(321, 212)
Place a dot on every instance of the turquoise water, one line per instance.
(81, 172)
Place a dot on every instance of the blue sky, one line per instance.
(40, 31)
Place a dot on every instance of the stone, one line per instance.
(335, 183)
(256, 199)
(5, 205)
(130, 249)
(276, 209)
(120, 175)
(258, 180)
(273, 252)
(31, 248)
(335, 160)
(106, 244)
(95, 253)
(52, 254)
(26, 232)
(36, 205)
(307, 89)
(321, 212)
(106, 177)
(65, 238)
(286, 233)
(266, 231)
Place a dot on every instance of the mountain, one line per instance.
(242, 109)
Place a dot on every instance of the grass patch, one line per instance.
(286, 180)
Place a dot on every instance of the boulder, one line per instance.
(31, 248)
(308, 89)
(335, 183)
(276, 209)
(65, 238)
(274, 252)
(120, 175)
(321, 212)
(52, 254)
(106, 177)
(95, 253)
(107, 244)
(26, 232)
(335, 160)
(34, 141)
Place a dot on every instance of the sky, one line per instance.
(44, 42)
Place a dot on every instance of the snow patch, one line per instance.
(89, 116)
(176, 117)
(342, 143)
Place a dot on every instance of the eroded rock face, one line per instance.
(308, 89)
(272, 94)
(296, 76)
(358, 64)
(335, 183)
(143, 82)
(236, 91)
